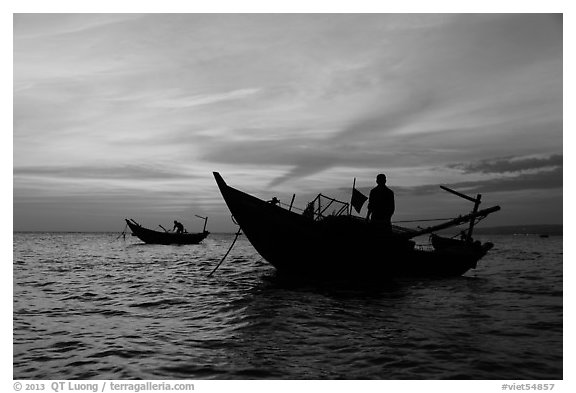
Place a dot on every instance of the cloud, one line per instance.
(339, 148)
(467, 87)
(29, 26)
(413, 153)
(510, 164)
(187, 102)
(126, 172)
(308, 166)
(542, 180)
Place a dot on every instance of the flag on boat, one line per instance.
(357, 200)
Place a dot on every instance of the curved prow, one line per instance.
(221, 183)
(131, 222)
(224, 188)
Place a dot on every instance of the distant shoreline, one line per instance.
(535, 229)
(551, 230)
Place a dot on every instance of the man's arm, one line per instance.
(369, 206)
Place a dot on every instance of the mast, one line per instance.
(472, 222)
(351, 197)
(205, 221)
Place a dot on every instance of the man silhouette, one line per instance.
(178, 227)
(381, 203)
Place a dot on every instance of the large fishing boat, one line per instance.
(339, 244)
(166, 237)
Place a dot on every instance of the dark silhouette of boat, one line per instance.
(341, 245)
(166, 237)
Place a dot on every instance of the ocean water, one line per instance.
(88, 306)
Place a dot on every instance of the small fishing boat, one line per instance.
(320, 245)
(166, 237)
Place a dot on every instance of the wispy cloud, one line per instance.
(457, 95)
(126, 172)
(542, 180)
(30, 26)
(187, 102)
(511, 164)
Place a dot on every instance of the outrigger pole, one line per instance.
(462, 219)
(454, 222)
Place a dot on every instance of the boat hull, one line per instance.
(150, 236)
(342, 246)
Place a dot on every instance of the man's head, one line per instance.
(381, 179)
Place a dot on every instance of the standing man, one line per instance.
(381, 203)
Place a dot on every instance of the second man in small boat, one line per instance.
(381, 204)
(178, 227)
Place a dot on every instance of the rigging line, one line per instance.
(227, 252)
(431, 219)
(293, 207)
(477, 221)
(462, 223)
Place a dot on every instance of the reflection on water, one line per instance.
(89, 307)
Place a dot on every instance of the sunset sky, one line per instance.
(122, 115)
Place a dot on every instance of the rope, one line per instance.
(227, 252)
(405, 221)
(122, 234)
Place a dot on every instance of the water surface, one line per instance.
(88, 306)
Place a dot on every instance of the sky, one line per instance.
(127, 115)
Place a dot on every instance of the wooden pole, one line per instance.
(458, 193)
(353, 187)
(292, 202)
(474, 211)
(205, 221)
(326, 208)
